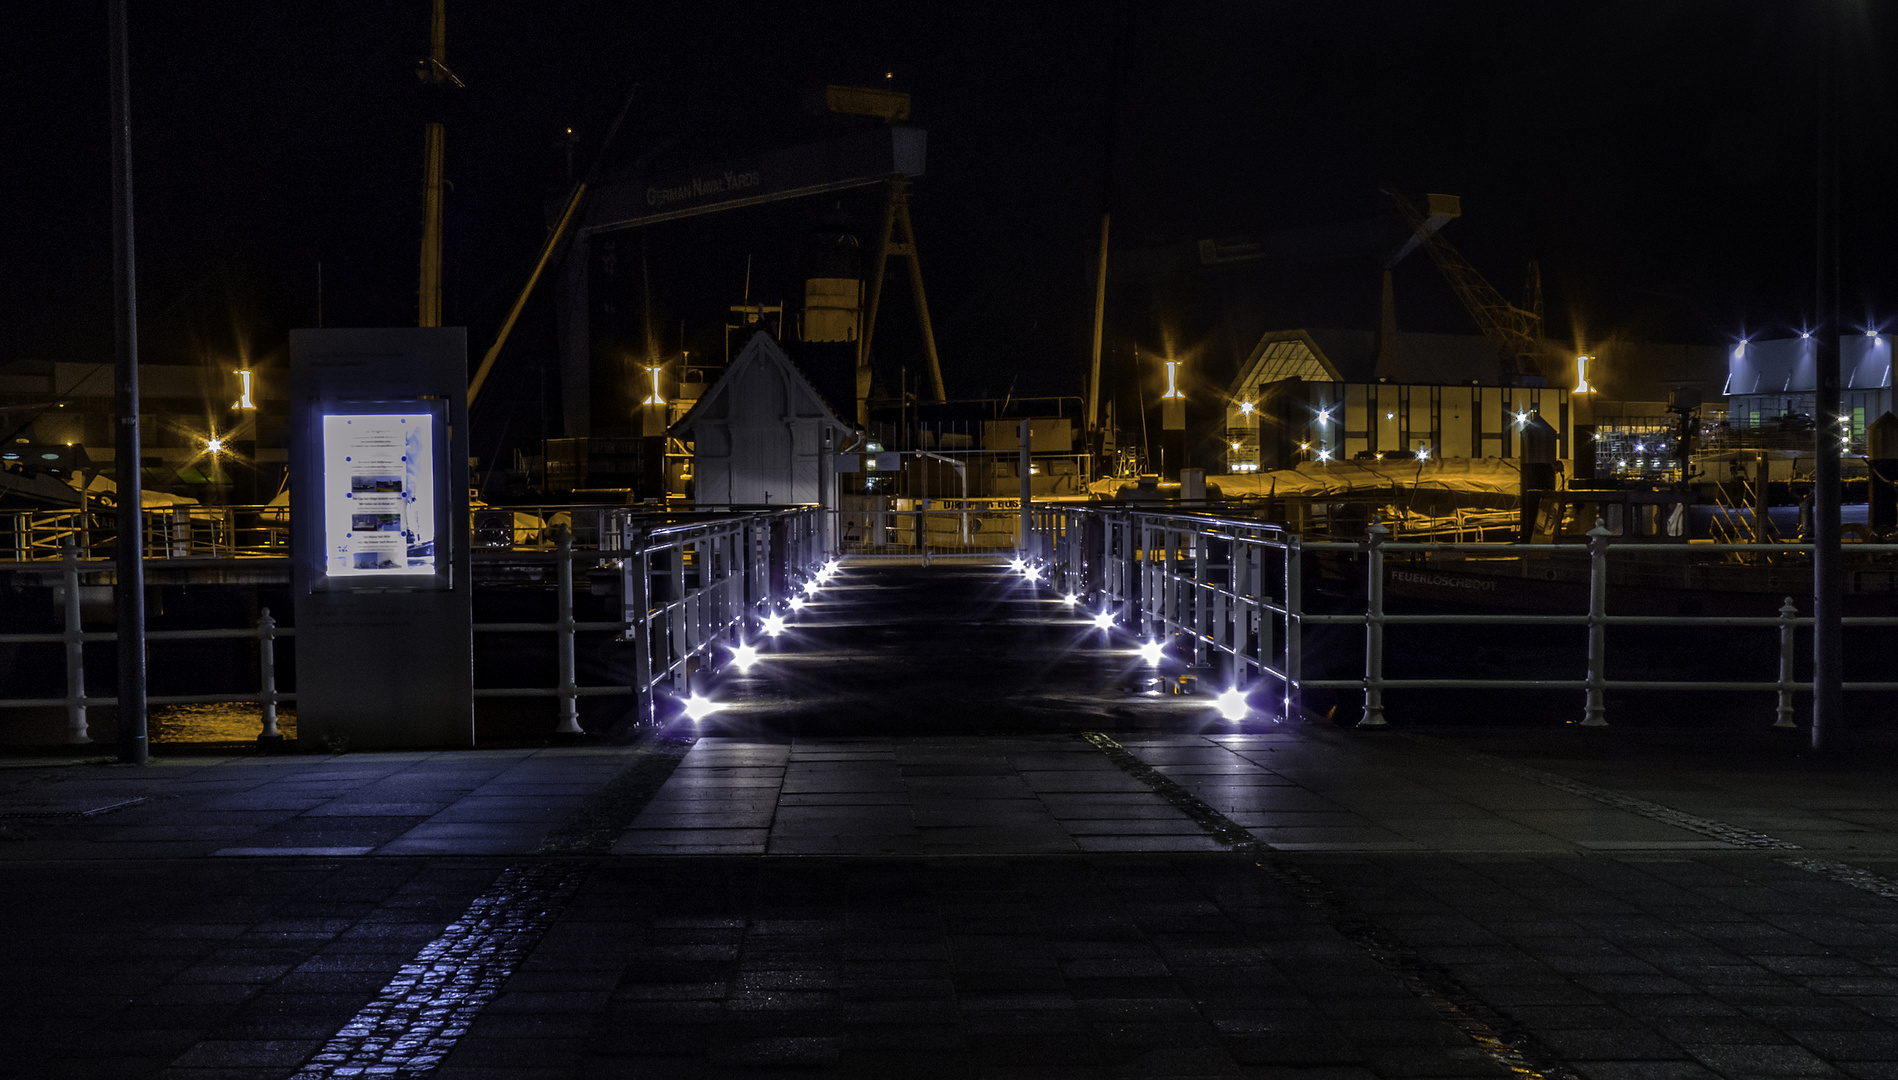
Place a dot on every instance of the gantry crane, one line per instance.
(1515, 331)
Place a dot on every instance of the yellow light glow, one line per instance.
(655, 398)
(243, 397)
(1172, 382)
(1581, 375)
(1245, 408)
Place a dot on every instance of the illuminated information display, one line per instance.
(379, 497)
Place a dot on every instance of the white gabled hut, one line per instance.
(758, 434)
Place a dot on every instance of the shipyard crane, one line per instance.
(1516, 332)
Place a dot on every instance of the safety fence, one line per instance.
(170, 532)
(686, 587)
(192, 531)
(1230, 594)
(987, 529)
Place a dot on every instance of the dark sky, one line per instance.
(1657, 158)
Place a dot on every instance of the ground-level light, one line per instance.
(744, 655)
(698, 708)
(1104, 621)
(1232, 704)
(1151, 651)
(1071, 599)
(774, 625)
(797, 603)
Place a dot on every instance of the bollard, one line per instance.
(569, 700)
(76, 730)
(1783, 717)
(267, 675)
(1375, 536)
(1594, 707)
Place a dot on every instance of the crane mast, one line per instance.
(1516, 332)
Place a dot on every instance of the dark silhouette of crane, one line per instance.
(1515, 331)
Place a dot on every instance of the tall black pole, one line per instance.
(131, 543)
(1827, 670)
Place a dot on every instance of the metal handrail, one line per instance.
(742, 565)
(1200, 577)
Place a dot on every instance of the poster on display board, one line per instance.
(379, 495)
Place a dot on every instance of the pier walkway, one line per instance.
(947, 828)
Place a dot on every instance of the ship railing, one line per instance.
(186, 531)
(1227, 595)
(689, 591)
(201, 531)
(977, 530)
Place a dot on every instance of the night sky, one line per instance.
(1657, 158)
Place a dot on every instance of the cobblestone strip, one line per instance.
(418, 1017)
(606, 813)
(1653, 811)
(94, 812)
(1849, 875)
(1493, 1033)
(1844, 873)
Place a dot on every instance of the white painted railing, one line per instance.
(1229, 593)
(687, 587)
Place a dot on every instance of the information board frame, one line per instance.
(382, 664)
(323, 572)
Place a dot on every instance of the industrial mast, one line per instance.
(435, 75)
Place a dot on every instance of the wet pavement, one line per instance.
(946, 828)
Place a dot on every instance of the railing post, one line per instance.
(267, 675)
(1202, 618)
(1783, 716)
(678, 611)
(569, 700)
(636, 605)
(1169, 583)
(1595, 706)
(1375, 536)
(76, 731)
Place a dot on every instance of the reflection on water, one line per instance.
(216, 723)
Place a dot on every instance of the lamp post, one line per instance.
(133, 744)
(1173, 420)
(1827, 580)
